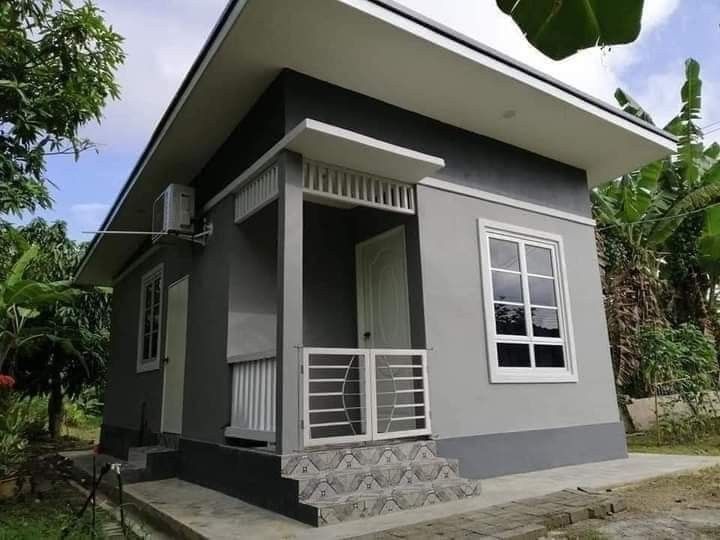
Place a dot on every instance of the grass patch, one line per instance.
(30, 518)
(708, 445)
(666, 493)
(88, 430)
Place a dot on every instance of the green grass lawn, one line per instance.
(30, 518)
(43, 515)
(709, 445)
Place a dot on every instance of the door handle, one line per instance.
(166, 360)
(367, 335)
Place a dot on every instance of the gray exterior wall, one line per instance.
(471, 160)
(207, 376)
(456, 327)
(252, 316)
(128, 390)
(234, 287)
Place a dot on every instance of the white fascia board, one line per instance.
(337, 146)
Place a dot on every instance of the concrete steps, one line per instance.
(342, 484)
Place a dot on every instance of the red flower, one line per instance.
(6, 382)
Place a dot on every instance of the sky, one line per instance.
(163, 37)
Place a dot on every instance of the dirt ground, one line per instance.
(685, 506)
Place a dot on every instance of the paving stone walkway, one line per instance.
(526, 519)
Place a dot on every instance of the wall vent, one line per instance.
(354, 188)
(257, 193)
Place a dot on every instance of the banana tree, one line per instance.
(656, 225)
(560, 28)
(21, 300)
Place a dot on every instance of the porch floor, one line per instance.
(205, 513)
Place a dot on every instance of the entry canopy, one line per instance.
(384, 51)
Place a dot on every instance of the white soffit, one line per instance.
(370, 49)
(337, 146)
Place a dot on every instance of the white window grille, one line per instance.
(357, 188)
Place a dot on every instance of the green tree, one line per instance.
(69, 348)
(21, 300)
(657, 226)
(560, 28)
(57, 72)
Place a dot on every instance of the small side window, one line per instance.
(151, 301)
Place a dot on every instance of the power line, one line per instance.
(664, 218)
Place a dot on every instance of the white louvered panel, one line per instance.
(357, 188)
(253, 396)
(256, 193)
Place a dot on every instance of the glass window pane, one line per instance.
(156, 288)
(549, 356)
(148, 296)
(539, 260)
(504, 254)
(510, 320)
(513, 355)
(545, 322)
(154, 345)
(542, 291)
(146, 322)
(507, 287)
(146, 347)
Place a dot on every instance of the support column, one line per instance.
(290, 308)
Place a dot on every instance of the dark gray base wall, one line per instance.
(116, 441)
(486, 456)
(249, 475)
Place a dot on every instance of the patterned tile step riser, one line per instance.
(394, 501)
(357, 457)
(376, 478)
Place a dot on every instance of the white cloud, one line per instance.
(161, 41)
(595, 71)
(87, 216)
(164, 37)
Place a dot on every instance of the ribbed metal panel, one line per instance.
(357, 188)
(253, 395)
(256, 193)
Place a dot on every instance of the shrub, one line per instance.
(35, 413)
(681, 363)
(12, 438)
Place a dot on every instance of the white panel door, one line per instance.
(175, 345)
(383, 304)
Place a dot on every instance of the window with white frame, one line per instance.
(527, 316)
(151, 299)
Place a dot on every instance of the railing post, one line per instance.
(290, 310)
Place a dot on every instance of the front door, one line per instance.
(383, 305)
(174, 371)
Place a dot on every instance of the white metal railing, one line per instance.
(357, 188)
(254, 391)
(257, 193)
(364, 394)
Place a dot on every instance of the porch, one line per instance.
(338, 354)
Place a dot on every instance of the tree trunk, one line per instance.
(55, 403)
(55, 411)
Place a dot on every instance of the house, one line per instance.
(393, 271)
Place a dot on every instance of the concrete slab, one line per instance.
(210, 514)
